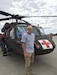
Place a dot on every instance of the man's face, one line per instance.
(29, 28)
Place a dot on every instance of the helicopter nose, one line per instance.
(46, 44)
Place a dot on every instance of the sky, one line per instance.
(33, 8)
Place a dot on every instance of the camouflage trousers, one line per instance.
(28, 63)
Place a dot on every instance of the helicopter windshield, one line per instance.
(41, 31)
(23, 29)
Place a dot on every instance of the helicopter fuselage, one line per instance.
(13, 39)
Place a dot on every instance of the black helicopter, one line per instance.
(14, 31)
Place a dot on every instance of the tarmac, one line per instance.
(14, 64)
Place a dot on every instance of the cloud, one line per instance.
(33, 8)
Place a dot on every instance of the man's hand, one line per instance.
(37, 46)
(25, 54)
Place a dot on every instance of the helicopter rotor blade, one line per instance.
(40, 16)
(20, 17)
(5, 13)
(8, 14)
(5, 19)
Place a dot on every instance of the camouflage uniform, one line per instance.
(28, 63)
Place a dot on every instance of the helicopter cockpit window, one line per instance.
(12, 33)
(23, 29)
(42, 31)
(35, 31)
(20, 31)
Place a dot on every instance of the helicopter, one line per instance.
(13, 32)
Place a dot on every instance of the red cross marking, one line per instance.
(46, 43)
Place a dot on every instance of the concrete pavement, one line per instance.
(43, 65)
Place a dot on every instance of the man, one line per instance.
(28, 41)
(3, 45)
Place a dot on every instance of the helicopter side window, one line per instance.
(12, 33)
(20, 31)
